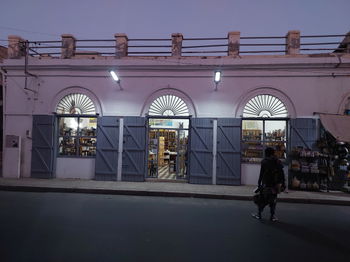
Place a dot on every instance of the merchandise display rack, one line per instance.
(253, 151)
(308, 170)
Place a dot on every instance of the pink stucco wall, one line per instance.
(306, 84)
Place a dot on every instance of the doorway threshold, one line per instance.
(166, 180)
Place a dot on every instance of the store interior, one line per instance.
(77, 136)
(167, 149)
(259, 134)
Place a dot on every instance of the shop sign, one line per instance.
(161, 122)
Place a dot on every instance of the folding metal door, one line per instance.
(134, 149)
(107, 148)
(228, 160)
(201, 151)
(43, 146)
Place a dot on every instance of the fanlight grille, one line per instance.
(76, 104)
(168, 105)
(265, 106)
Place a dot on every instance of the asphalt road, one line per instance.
(81, 227)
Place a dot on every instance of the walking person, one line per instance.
(271, 182)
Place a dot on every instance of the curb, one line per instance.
(315, 201)
(166, 194)
(121, 192)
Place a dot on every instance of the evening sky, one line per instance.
(101, 19)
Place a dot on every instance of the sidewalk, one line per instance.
(165, 189)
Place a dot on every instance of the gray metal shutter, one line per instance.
(107, 148)
(303, 132)
(43, 144)
(228, 165)
(134, 149)
(201, 151)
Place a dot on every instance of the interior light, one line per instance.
(73, 124)
(217, 77)
(114, 76)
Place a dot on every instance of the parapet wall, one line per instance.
(234, 46)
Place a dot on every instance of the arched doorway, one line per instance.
(168, 131)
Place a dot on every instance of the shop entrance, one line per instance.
(167, 148)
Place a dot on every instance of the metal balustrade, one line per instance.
(233, 45)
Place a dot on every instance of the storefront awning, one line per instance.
(337, 125)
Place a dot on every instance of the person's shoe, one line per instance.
(256, 216)
(273, 219)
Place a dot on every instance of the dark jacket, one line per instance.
(271, 172)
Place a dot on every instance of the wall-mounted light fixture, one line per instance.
(217, 79)
(115, 78)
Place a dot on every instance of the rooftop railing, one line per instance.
(177, 46)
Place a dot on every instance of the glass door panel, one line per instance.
(182, 154)
(275, 137)
(153, 153)
(172, 151)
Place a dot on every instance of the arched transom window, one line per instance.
(76, 104)
(265, 106)
(168, 105)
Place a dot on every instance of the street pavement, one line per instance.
(152, 188)
(46, 226)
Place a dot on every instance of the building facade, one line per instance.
(3, 55)
(166, 117)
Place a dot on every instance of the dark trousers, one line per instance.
(268, 198)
